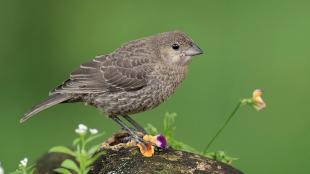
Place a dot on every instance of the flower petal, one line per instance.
(161, 141)
(24, 162)
(146, 150)
(80, 131)
(258, 102)
(82, 127)
(93, 131)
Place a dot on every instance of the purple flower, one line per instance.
(161, 141)
(158, 140)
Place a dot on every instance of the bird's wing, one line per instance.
(108, 74)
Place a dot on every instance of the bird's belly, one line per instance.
(123, 103)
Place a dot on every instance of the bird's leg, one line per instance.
(134, 123)
(124, 126)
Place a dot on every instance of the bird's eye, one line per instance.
(175, 46)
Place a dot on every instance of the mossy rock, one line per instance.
(123, 157)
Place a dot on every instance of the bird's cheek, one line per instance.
(175, 58)
(185, 60)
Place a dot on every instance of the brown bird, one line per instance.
(138, 76)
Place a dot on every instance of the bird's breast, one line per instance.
(166, 79)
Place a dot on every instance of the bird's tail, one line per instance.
(50, 101)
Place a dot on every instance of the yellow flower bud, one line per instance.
(258, 102)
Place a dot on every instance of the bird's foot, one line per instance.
(136, 125)
(140, 133)
(137, 136)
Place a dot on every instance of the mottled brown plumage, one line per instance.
(138, 76)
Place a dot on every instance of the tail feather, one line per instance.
(50, 101)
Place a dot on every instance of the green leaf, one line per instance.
(209, 155)
(62, 149)
(182, 146)
(220, 156)
(78, 148)
(150, 129)
(31, 170)
(70, 165)
(93, 137)
(93, 149)
(94, 158)
(87, 170)
(62, 171)
(76, 141)
(169, 126)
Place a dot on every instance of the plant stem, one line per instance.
(82, 153)
(222, 128)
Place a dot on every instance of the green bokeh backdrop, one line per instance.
(248, 44)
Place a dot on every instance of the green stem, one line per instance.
(222, 128)
(82, 162)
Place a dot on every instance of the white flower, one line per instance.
(23, 163)
(1, 169)
(93, 131)
(81, 129)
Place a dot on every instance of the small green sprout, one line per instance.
(220, 156)
(168, 132)
(84, 156)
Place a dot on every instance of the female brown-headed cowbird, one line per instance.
(138, 76)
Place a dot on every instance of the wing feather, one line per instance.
(108, 74)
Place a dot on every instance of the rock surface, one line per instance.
(123, 157)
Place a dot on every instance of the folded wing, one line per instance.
(108, 74)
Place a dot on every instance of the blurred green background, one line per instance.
(248, 44)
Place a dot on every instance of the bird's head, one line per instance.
(176, 48)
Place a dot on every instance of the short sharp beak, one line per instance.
(193, 51)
